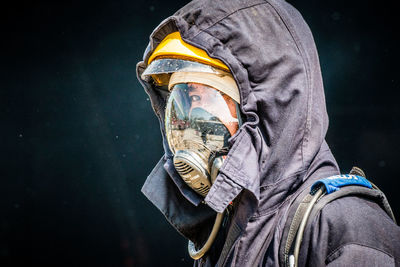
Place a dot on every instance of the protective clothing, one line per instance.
(278, 152)
(200, 116)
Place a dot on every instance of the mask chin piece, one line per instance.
(193, 171)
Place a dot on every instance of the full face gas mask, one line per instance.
(199, 120)
(201, 114)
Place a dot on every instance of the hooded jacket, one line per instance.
(276, 154)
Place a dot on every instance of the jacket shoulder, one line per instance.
(348, 227)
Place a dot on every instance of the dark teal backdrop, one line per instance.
(78, 135)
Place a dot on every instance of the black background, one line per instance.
(78, 135)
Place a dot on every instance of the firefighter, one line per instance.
(238, 91)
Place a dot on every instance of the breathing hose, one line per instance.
(293, 259)
(197, 254)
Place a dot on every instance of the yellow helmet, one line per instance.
(173, 56)
(172, 46)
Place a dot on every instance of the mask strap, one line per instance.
(215, 154)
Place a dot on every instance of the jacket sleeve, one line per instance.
(351, 231)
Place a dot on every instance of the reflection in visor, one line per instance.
(171, 65)
(161, 69)
(200, 118)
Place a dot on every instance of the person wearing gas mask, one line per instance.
(237, 88)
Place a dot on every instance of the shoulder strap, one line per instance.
(309, 204)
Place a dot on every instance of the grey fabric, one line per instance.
(348, 254)
(349, 232)
(272, 56)
(297, 213)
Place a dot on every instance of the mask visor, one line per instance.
(199, 118)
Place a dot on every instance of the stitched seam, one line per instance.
(327, 260)
(281, 181)
(232, 170)
(272, 209)
(308, 80)
(278, 206)
(226, 16)
(230, 193)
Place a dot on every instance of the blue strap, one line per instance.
(334, 183)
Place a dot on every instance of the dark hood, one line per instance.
(272, 56)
